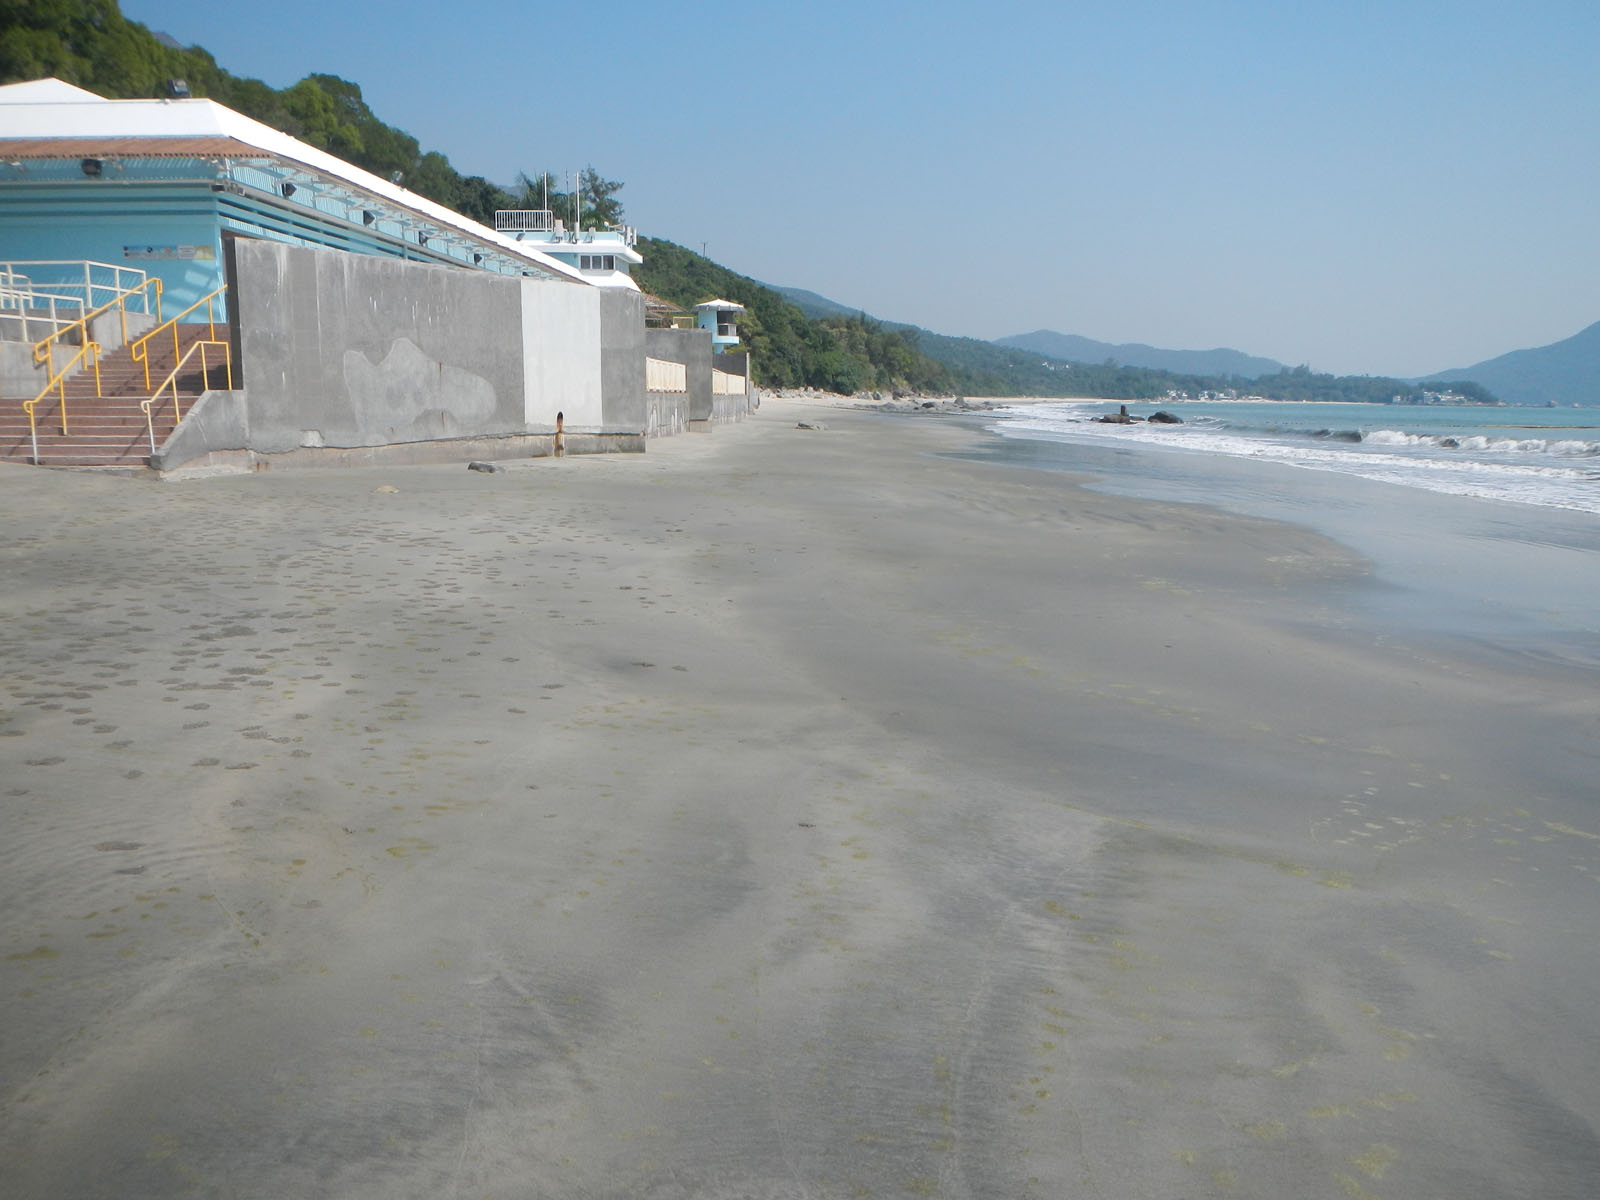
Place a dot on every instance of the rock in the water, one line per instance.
(1164, 418)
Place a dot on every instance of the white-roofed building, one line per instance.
(159, 183)
(351, 314)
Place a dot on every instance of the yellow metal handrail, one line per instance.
(148, 406)
(44, 350)
(58, 383)
(141, 346)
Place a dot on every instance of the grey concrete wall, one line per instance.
(217, 421)
(727, 408)
(340, 352)
(107, 327)
(668, 413)
(347, 350)
(622, 351)
(20, 377)
(692, 348)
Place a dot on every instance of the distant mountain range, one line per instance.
(1072, 348)
(1066, 347)
(1565, 372)
(1562, 373)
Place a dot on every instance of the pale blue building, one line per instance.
(720, 318)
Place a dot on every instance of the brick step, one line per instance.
(89, 433)
(89, 412)
(109, 429)
(138, 448)
(72, 455)
(81, 429)
(90, 409)
(95, 460)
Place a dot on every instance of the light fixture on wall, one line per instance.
(477, 260)
(93, 167)
(422, 239)
(368, 217)
(288, 190)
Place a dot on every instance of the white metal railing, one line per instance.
(660, 375)
(724, 383)
(27, 315)
(524, 220)
(81, 282)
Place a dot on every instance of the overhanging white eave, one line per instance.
(39, 110)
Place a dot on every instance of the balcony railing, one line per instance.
(524, 220)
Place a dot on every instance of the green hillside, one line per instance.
(789, 349)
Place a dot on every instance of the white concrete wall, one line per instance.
(561, 349)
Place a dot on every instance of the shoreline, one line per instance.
(783, 811)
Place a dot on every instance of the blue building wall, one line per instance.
(170, 232)
(168, 218)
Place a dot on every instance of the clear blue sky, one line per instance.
(1369, 186)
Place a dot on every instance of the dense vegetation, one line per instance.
(91, 44)
(788, 349)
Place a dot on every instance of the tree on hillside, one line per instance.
(601, 208)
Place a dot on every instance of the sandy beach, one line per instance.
(779, 813)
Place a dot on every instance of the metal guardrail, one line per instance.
(139, 349)
(44, 350)
(26, 307)
(58, 382)
(524, 220)
(171, 381)
(60, 277)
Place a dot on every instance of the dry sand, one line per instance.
(780, 813)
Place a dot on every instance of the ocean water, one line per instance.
(1481, 523)
(1543, 456)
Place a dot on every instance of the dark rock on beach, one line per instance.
(1118, 418)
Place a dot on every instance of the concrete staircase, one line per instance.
(108, 430)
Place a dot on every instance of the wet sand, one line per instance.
(779, 813)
